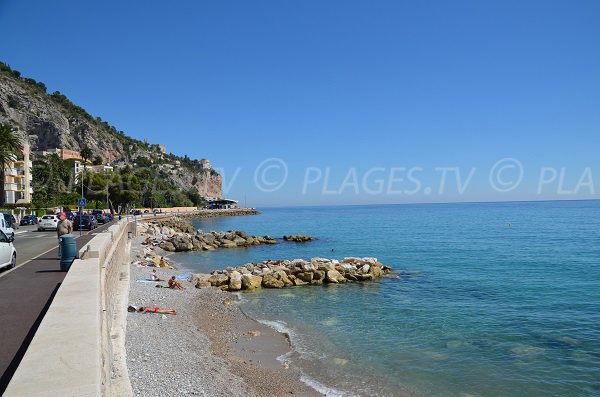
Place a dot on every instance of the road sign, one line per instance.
(82, 202)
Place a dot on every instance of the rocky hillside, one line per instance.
(51, 121)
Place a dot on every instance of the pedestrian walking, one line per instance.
(64, 227)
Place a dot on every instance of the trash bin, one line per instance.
(68, 251)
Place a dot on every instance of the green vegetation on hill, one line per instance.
(54, 185)
(142, 182)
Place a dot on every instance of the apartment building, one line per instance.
(17, 180)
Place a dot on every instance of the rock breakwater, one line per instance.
(299, 238)
(282, 274)
(177, 235)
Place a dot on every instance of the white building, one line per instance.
(78, 169)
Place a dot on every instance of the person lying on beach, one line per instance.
(143, 309)
(155, 277)
(175, 284)
(148, 241)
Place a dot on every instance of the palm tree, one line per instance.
(11, 144)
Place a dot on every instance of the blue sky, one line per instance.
(351, 96)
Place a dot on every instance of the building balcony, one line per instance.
(14, 187)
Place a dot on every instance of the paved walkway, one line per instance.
(25, 295)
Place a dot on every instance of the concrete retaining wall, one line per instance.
(78, 349)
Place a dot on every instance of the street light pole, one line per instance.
(81, 208)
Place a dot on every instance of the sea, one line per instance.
(492, 299)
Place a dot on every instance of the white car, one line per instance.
(48, 222)
(8, 253)
(6, 227)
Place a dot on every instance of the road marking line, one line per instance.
(29, 260)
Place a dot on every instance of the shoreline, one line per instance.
(211, 347)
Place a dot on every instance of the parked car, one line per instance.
(10, 220)
(8, 253)
(6, 226)
(101, 218)
(48, 222)
(88, 222)
(28, 220)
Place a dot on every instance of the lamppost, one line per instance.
(81, 207)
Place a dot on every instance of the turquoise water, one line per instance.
(494, 299)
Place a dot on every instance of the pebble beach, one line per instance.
(209, 348)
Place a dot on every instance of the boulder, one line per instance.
(376, 271)
(228, 244)
(217, 280)
(167, 246)
(230, 236)
(363, 277)
(201, 280)
(326, 266)
(235, 281)
(270, 241)
(335, 277)
(270, 281)
(350, 277)
(251, 282)
(281, 275)
(208, 238)
(318, 275)
(299, 282)
(306, 277)
(240, 242)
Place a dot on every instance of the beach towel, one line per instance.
(145, 281)
(184, 276)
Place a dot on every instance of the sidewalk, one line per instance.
(25, 295)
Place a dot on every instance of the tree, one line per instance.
(86, 153)
(11, 145)
(97, 160)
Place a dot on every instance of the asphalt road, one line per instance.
(27, 291)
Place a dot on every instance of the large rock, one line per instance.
(217, 280)
(318, 275)
(225, 243)
(298, 282)
(251, 282)
(306, 277)
(235, 281)
(281, 275)
(376, 271)
(240, 242)
(167, 246)
(201, 280)
(299, 238)
(335, 277)
(270, 281)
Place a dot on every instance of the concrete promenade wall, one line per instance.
(76, 351)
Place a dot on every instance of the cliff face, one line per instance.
(52, 121)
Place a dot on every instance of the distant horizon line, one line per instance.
(428, 203)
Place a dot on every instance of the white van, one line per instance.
(6, 228)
